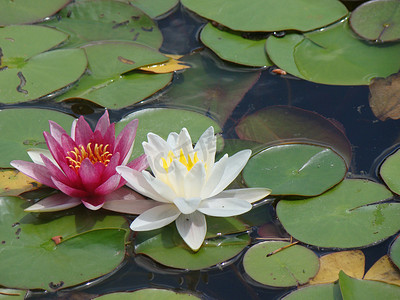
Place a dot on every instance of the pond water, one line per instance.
(259, 88)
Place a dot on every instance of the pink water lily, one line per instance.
(82, 165)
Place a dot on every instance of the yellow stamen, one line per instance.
(98, 153)
(187, 161)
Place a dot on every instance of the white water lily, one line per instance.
(189, 184)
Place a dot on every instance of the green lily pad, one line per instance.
(291, 124)
(210, 87)
(389, 172)
(232, 146)
(167, 247)
(154, 8)
(28, 11)
(329, 291)
(17, 137)
(295, 169)
(82, 254)
(121, 57)
(10, 294)
(280, 51)
(87, 21)
(148, 294)
(18, 42)
(269, 15)
(377, 20)
(233, 47)
(347, 216)
(336, 56)
(291, 266)
(163, 121)
(354, 289)
(394, 252)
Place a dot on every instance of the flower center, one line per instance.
(187, 161)
(96, 153)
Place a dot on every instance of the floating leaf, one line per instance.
(295, 169)
(354, 289)
(17, 136)
(395, 252)
(28, 11)
(316, 292)
(13, 183)
(210, 87)
(288, 124)
(233, 47)
(347, 216)
(351, 262)
(87, 21)
(154, 8)
(383, 270)
(162, 121)
(167, 247)
(148, 294)
(291, 266)
(336, 56)
(173, 64)
(269, 15)
(377, 20)
(389, 172)
(81, 255)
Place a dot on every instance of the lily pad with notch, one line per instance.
(353, 214)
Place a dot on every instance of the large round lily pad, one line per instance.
(162, 121)
(233, 47)
(377, 20)
(148, 294)
(389, 172)
(17, 137)
(28, 11)
(329, 291)
(87, 21)
(53, 253)
(269, 15)
(337, 56)
(167, 247)
(347, 216)
(154, 8)
(291, 266)
(395, 252)
(295, 169)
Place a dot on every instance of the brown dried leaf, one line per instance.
(173, 64)
(13, 183)
(384, 270)
(351, 262)
(384, 98)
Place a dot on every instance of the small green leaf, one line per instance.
(394, 252)
(389, 172)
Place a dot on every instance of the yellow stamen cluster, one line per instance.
(98, 153)
(188, 161)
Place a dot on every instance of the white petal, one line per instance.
(34, 154)
(128, 155)
(224, 207)
(193, 229)
(215, 177)
(172, 140)
(176, 178)
(136, 181)
(184, 143)
(157, 143)
(194, 181)
(160, 187)
(230, 171)
(206, 148)
(54, 202)
(250, 195)
(156, 217)
(154, 159)
(187, 206)
(125, 200)
(73, 129)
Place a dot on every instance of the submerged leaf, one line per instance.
(13, 183)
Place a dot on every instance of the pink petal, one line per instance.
(110, 169)
(54, 147)
(139, 163)
(38, 172)
(54, 171)
(83, 132)
(109, 137)
(89, 176)
(56, 131)
(68, 144)
(103, 123)
(109, 186)
(94, 203)
(126, 138)
(54, 202)
(73, 192)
